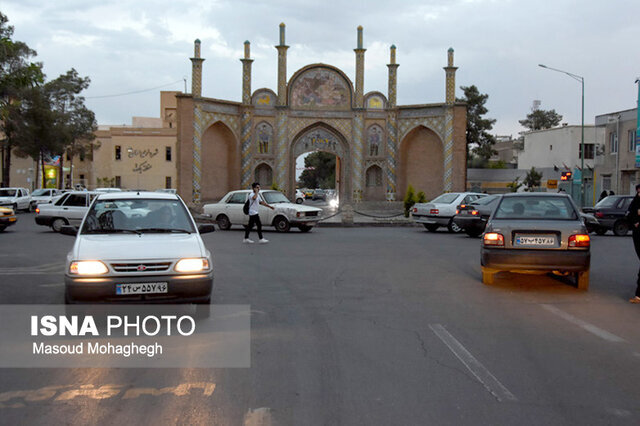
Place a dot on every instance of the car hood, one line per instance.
(296, 207)
(137, 247)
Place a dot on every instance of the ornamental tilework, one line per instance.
(448, 150)
(296, 125)
(357, 149)
(245, 161)
(392, 151)
(281, 149)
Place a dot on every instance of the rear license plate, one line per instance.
(536, 240)
(142, 288)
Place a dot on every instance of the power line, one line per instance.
(135, 91)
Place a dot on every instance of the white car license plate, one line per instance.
(535, 240)
(142, 288)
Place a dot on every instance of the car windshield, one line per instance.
(40, 192)
(485, 200)
(607, 202)
(7, 192)
(275, 197)
(445, 198)
(137, 216)
(555, 208)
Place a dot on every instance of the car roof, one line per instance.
(127, 195)
(534, 194)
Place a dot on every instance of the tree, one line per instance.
(320, 170)
(18, 74)
(409, 200)
(478, 137)
(540, 119)
(515, 185)
(532, 179)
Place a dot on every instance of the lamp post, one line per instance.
(581, 80)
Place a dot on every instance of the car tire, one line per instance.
(223, 222)
(58, 223)
(452, 227)
(431, 227)
(488, 275)
(582, 280)
(305, 228)
(282, 224)
(600, 231)
(474, 234)
(299, 200)
(620, 228)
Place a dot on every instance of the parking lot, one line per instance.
(360, 326)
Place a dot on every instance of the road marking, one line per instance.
(47, 268)
(603, 334)
(52, 285)
(258, 417)
(483, 375)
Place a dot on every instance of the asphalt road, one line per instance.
(352, 326)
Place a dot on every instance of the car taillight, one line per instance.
(599, 215)
(298, 214)
(579, 240)
(493, 239)
(457, 211)
(462, 206)
(434, 211)
(415, 210)
(474, 212)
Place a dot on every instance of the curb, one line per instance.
(366, 224)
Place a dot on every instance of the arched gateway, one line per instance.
(381, 147)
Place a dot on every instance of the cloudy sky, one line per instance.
(131, 46)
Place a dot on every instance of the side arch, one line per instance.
(421, 162)
(220, 162)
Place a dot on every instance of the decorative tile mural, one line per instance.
(264, 137)
(320, 87)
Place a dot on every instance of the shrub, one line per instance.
(409, 200)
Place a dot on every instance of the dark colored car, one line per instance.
(611, 214)
(473, 217)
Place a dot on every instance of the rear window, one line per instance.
(485, 200)
(608, 202)
(445, 198)
(552, 208)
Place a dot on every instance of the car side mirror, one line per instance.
(69, 230)
(205, 228)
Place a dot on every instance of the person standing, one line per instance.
(254, 216)
(633, 214)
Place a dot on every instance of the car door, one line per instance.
(74, 208)
(22, 199)
(233, 208)
(266, 214)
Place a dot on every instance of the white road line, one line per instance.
(603, 334)
(483, 375)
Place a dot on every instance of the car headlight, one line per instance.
(87, 267)
(192, 265)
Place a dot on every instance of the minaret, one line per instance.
(359, 71)
(282, 68)
(393, 76)
(450, 81)
(246, 74)
(196, 70)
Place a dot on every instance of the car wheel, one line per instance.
(452, 227)
(601, 231)
(299, 200)
(488, 275)
(582, 280)
(431, 227)
(305, 228)
(474, 234)
(620, 228)
(57, 224)
(281, 224)
(223, 222)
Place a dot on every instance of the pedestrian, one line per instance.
(633, 215)
(603, 195)
(254, 216)
(611, 193)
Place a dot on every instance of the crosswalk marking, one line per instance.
(603, 334)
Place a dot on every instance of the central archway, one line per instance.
(322, 137)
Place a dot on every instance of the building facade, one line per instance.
(381, 147)
(616, 168)
(558, 147)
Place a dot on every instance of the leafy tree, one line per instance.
(515, 185)
(421, 197)
(18, 74)
(478, 136)
(320, 170)
(409, 200)
(500, 164)
(540, 119)
(532, 179)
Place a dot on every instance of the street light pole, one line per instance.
(581, 80)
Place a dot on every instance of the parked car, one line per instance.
(308, 193)
(228, 211)
(611, 214)
(43, 196)
(299, 196)
(15, 198)
(68, 210)
(536, 233)
(7, 218)
(134, 247)
(472, 218)
(440, 211)
(108, 190)
(319, 194)
(167, 190)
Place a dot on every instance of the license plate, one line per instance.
(535, 240)
(141, 288)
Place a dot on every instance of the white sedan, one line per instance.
(228, 211)
(440, 211)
